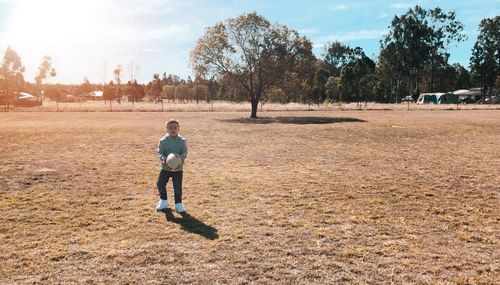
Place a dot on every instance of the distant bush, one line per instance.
(25, 103)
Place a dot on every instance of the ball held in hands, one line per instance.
(172, 162)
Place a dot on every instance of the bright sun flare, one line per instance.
(44, 24)
(63, 30)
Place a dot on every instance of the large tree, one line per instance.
(350, 66)
(154, 87)
(85, 88)
(250, 50)
(117, 72)
(420, 38)
(318, 94)
(337, 55)
(411, 38)
(11, 77)
(485, 60)
(390, 74)
(44, 70)
(445, 30)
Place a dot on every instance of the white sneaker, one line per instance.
(162, 204)
(179, 208)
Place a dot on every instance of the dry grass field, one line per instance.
(325, 197)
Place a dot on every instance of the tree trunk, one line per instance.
(255, 105)
(398, 89)
(483, 90)
(417, 81)
(489, 93)
(432, 74)
(7, 99)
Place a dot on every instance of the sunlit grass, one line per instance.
(367, 197)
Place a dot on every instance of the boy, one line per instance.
(171, 143)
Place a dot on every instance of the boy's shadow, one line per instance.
(192, 224)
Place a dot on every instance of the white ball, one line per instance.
(174, 161)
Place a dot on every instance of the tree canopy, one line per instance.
(11, 76)
(419, 39)
(46, 69)
(250, 50)
(485, 59)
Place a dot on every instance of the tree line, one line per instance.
(264, 61)
(247, 58)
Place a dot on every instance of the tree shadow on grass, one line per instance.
(294, 120)
(192, 224)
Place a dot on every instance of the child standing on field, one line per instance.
(171, 143)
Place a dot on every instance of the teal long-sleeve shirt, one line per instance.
(170, 144)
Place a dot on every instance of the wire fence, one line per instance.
(219, 106)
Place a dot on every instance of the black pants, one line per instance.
(162, 184)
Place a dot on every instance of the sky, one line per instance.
(89, 38)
